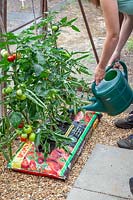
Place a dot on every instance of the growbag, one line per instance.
(59, 162)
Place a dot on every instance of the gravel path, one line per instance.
(28, 187)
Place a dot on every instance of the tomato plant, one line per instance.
(42, 80)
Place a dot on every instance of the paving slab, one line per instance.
(80, 194)
(106, 174)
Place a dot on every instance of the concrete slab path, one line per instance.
(105, 175)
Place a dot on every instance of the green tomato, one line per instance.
(19, 92)
(4, 53)
(23, 97)
(18, 97)
(55, 28)
(4, 91)
(27, 129)
(19, 132)
(3, 50)
(8, 90)
(49, 98)
(48, 71)
(53, 96)
(32, 137)
(22, 85)
(53, 91)
(24, 135)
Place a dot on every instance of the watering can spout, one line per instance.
(96, 106)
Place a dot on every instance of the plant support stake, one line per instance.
(88, 30)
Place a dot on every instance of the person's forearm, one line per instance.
(126, 29)
(108, 49)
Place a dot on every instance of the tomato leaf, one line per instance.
(38, 69)
(75, 28)
(71, 21)
(63, 20)
(15, 118)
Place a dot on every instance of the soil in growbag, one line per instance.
(59, 162)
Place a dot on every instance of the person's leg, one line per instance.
(131, 184)
(126, 143)
(126, 123)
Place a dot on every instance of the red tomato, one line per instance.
(79, 116)
(18, 55)
(87, 118)
(80, 89)
(49, 171)
(14, 55)
(25, 164)
(33, 165)
(23, 137)
(21, 125)
(11, 58)
(53, 164)
(56, 154)
(40, 160)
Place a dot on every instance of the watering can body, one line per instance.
(113, 95)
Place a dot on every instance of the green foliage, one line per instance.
(130, 44)
(44, 83)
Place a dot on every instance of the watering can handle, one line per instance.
(125, 72)
(93, 87)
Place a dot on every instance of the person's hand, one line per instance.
(99, 74)
(114, 59)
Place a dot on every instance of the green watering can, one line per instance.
(113, 95)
